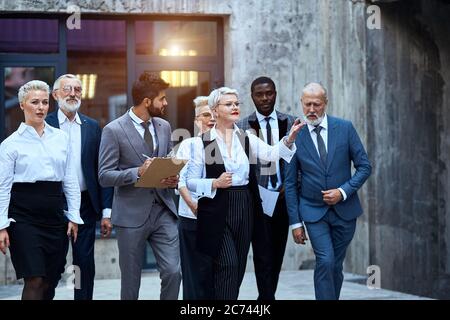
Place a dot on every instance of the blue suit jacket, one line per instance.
(306, 176)
(91, 133)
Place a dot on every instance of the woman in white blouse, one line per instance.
(196, 267)
(222, 173)
(35, 173)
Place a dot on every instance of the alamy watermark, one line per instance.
(74, 20)
(374, 17)
(73, 281)
(374, 278)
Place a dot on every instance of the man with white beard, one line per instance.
(84, 136)
(321, 191)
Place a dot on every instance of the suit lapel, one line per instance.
(52, 119)
(134, 138)
(254, 125)
(332, 137)
(282, 125)
(160, 137)
(84, 128)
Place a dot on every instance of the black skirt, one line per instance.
(37, 237)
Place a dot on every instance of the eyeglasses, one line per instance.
(231, 104)
(68, 89)
(205, 114)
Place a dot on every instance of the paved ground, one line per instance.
(293, 285)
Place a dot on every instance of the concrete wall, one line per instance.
(408, 95)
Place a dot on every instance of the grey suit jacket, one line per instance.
(120, 156)
(285, 122)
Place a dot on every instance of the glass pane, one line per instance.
(15, 77)
(185, 86)
(29, 35)
(176, 38)
(96, 53)
(98, 36)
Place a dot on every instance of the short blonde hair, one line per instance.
(216, 95)
(30, 86)
(199, 103)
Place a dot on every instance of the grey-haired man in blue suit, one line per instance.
(321, 192)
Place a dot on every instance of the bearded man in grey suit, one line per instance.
(127, 148)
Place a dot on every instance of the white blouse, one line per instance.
(27, 157)
(236, 162)
(185, 151)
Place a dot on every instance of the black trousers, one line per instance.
(196, 267)
(83, 249)
(82, 252)
(229, 265)
(268, 245)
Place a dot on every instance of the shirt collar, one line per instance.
(24, 127)
(136, 119)
(213, 131)
(262, 118)
(63, 118)
(323, 124)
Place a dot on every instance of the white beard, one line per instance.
(314, 122)
(69, 107)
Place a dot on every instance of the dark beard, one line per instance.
(154, 112)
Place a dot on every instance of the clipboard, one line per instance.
(160, 168)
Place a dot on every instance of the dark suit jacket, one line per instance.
(303, 196)
(91, 133)
(285, 122)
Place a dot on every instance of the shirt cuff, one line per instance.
(5, 224)
(181, 184)
(204, 189)
(344, 195)
(296, 225)
(74, 216)
(106, 213)
(285, 152)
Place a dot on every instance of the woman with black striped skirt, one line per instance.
(35, 174)
(222, 173)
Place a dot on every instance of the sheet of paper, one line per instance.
(269, 200)
(159, 169)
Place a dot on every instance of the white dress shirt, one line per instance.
(137, 124)
(27, 157)
(186, 151)
(324, 135)
(236, 162)
(275, 137)
(73, 129)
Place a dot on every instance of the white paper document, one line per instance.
(269, 200)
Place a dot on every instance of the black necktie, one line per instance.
(321, 146)
(273, 166)
(148, 137)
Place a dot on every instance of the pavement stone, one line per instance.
(293, 285)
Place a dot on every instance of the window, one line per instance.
(29, 35)
(176, 38)
(97, 54)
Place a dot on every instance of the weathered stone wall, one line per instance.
(408, 93)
